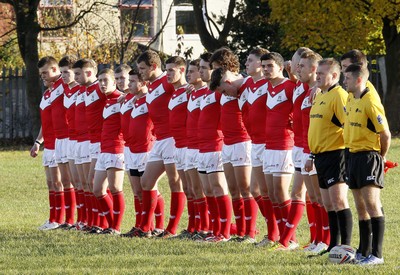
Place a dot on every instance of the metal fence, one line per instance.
(15, 120)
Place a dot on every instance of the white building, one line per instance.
(113, 21)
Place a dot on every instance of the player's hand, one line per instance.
(309, 165)
(314, 91)
(288, 66)
(121, 98)
(34, 150)
(190, 89)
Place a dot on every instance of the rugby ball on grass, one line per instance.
(342, 254)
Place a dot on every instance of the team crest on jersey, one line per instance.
(208, 100)
(278, 98)
(257, 93)
(80, 99)
(45, 102)
(194, 103)
(70, 100)
(155, 93)
(90, 98)
(139, 110)
(128, 105)
(227, 98)
(306, 103)
(57, 92)
(111, 109)
(177, 100)
(298, 92)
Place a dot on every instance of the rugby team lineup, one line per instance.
(231, 146)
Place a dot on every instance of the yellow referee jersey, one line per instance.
(366, 119)
(327, 116)
(350, 98)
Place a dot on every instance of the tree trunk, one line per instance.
(391, 37)
(27, 34)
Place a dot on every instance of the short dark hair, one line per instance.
(277, 57)
(122, 68)
(177, 60)
(226, 59)
(47, 60)
(135, 71)
(355, 56)
(85, 63)
(206, 57)
(107, 71)
(216, 78)
(149, 57)
(259, 52)
(195, 62)
(67, 61)
(358, 70)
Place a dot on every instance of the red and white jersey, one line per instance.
(160, 92)
(209, 131)
(279, 116)
(193, 113)
(305, 115)
(59, 112)
(94, 102)
(126, 110)
(242, 100)
(140, 127)
(177, 116)
(298, 96)
(70, 95)
(232, 124)
(81, 127)
(47, 121)
(256, 100)
(111, 135)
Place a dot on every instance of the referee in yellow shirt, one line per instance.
(369, 141)
(325, 139)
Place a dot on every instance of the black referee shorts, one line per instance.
(365, 168)
(330, 168)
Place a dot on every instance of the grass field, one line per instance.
(26, 250)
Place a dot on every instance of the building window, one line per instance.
(185, 22)
(56, 13)
(182, 3)
(142, 24)
(136, 2)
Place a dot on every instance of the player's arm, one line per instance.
(36, 146)
(385, 138)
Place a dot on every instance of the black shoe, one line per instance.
(95, 230)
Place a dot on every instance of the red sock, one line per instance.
(95, 211)
(295, 214)
(109, 194)
(177, 206)
(149, 200)
(278, 216)
(59, 202)
(225, 213)
(191, 215)
(203, 213)
(196, 216)
(250, 210)
(138, 210)
(88, 208)
(159, 212)
(70, 204)
(272, 225)
(261, 205)
(238, 210)
(325, 226)
(319, 233)
(311, 220)
(52, 204)
(214, 214)
(118, 209)
(106, 207)
(78, 206)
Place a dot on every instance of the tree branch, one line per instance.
(228, 23)
(8, 32)
(155, 37)
(77, 18)
(131, 31)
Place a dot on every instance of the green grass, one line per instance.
(26, 250)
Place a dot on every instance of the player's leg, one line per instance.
(100, 184)
(59, 196)
(115, 176)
